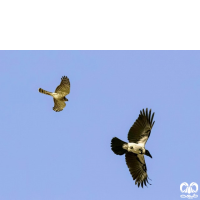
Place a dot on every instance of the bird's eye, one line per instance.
(131, 147)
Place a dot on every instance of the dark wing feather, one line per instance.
(58, 105)
(64, 87)
(141, 129)
(137, 168)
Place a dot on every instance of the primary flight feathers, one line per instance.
(141, 129)
(59, 95)
(135, 149)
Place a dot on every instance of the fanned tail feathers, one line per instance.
(116, 146)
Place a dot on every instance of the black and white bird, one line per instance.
(135, 150)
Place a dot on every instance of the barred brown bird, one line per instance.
(135, 149)
(59, 95)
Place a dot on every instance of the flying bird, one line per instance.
(59, 95)
(135, 150)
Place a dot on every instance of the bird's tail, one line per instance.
(45, 92)
(116, 146)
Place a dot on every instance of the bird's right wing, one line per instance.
(64, 87)
(137, 168)
(58, 105)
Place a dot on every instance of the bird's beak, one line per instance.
(147, 153)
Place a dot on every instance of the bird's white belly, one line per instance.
(136, 147)
(57, 96)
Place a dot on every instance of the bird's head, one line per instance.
(65, 99)
(147, 153)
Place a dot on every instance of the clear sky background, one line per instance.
(47, 155)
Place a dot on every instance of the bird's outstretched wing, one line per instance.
(141, 129)
(64, 87)
(137, 168)
(58, 105)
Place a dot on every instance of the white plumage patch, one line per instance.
(135, 148)
(57, 96)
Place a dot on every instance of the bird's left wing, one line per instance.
(137, 168)
(141, 129)
(64, 87)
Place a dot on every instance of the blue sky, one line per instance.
(67, 155)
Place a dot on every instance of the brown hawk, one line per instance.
(135, 150)
(59, 95)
